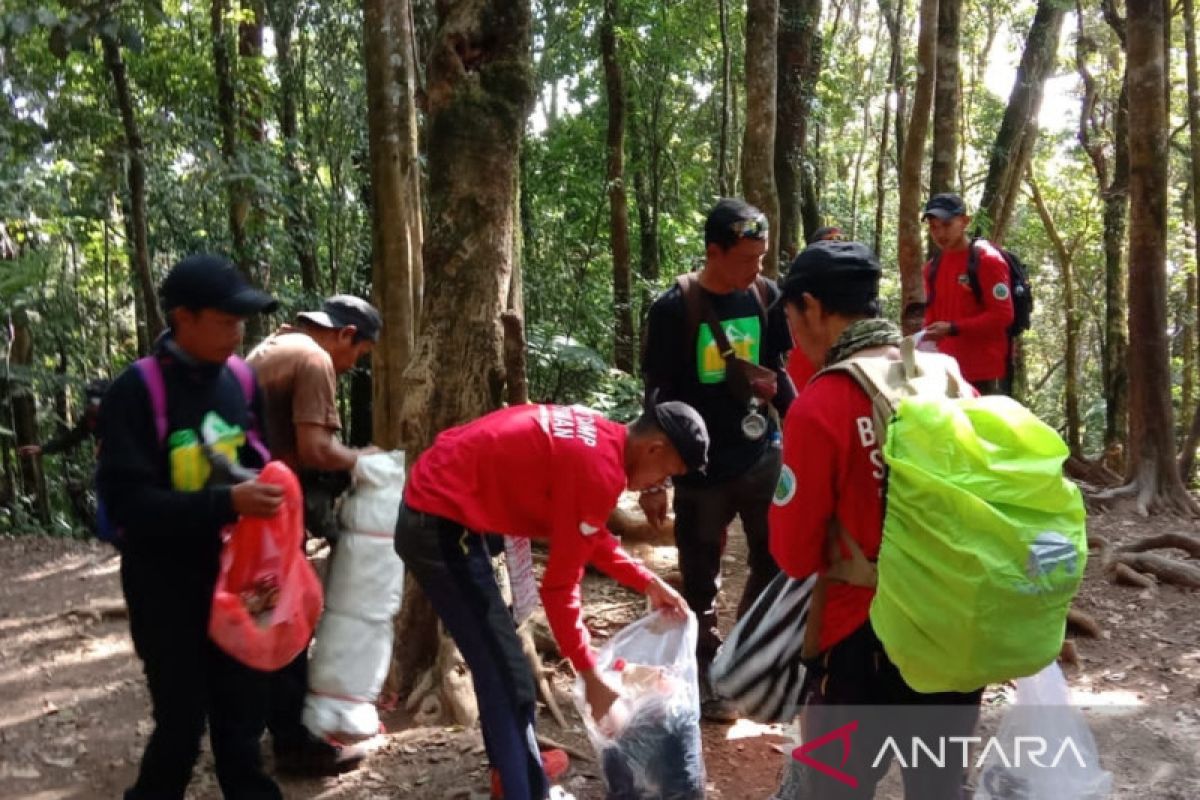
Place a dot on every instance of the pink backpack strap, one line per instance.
(245, 377)
(151, 372)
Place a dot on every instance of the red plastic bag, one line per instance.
(268, 597)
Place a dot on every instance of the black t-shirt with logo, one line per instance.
(687, 365)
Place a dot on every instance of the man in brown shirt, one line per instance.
(297, 367)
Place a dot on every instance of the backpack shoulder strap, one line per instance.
(689, 290)
(245, 377)
(763, 295)
(152, 377)
(973, 271)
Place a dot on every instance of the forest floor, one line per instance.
(74, 714)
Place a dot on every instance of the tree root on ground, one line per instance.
(98, 612)
(1124, 575)
(546, 743)
(1167, 570)
(1165, 541)
(1083, 623)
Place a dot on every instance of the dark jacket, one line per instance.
(134, 475)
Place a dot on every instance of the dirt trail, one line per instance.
(74, 714)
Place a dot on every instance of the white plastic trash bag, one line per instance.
(353, 646)
(1047, 751)
(649, 743)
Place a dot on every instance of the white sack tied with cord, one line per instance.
(353, 645)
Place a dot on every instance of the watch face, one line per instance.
(754, 426)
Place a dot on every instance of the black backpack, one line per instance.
(1018, 279)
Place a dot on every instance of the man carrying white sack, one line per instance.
(297, 367)
(546, 472)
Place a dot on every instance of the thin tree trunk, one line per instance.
(136, 175)
(944, 163)
(1153, 471)
(1012, 143)
(396, 240)
(724, 183)
(1112, 180)
(478, 98)
(758, 147)
(1192, 334)
(300, 223)
(799, 63)
(1065, 256)
(618, 202)
(236, 188)
(909, 250)
(24, 410)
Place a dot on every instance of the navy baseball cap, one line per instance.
(944, 206)
(343, 310)
(686, 431)
(206, 280)
(831, 268)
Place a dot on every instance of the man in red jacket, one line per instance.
(833, 475)
(967, 319)
(546, 472)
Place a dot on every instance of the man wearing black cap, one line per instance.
(154, 481)
(545, 472)
(712, 343)
(833, 475)
(968, 317)
(298, 368)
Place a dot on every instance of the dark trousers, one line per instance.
(996, 386)
(701, 516)
(454, 568)
(192, 681)
(855, 683)
(286, 692)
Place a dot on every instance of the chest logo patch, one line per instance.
(785, 490)
(964, 280)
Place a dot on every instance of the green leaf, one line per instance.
(60, 44)
(131, 38)
(45, 17)
(20, 24)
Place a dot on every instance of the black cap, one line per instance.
(687, 432)
(732, 219)
(828, 233)
(343, 310)
(944, 206)
(210, 281)
(829, 268)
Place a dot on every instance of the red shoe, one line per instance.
(554, 762)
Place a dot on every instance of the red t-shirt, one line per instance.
(832, 468)
(799, 369)
(981, 345)
(545, 472)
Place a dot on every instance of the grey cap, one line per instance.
(342, 310)
(686, 431)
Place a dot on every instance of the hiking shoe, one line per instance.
(554, 763)
(717, 709)
(314, 757)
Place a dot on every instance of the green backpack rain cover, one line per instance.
(984, 540)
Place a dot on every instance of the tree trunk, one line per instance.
(724, 183)
(24, 410)
(1152, 472)
(396, 263)
(910, 253)
(944, 163)
(618, 203)
(299, 218)
(758, 146)
(1192, 335)
(1013, 145)
(882, 157)
(1065, 255)
(139, 256)
(799, 65)
(479, 93)
(238, 193)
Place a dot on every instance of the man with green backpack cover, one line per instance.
(947, 543)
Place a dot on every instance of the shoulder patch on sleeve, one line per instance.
(1000, 291)
(587, 530)
(785, 490)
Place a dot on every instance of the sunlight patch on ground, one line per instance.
(59, 698)
(749, 729)
(1085, 697)
(56, 567)
(92, 651)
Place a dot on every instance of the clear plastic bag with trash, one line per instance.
(1046, 749)
(648, 743)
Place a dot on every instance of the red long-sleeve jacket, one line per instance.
(546, 472)
(981, 343)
